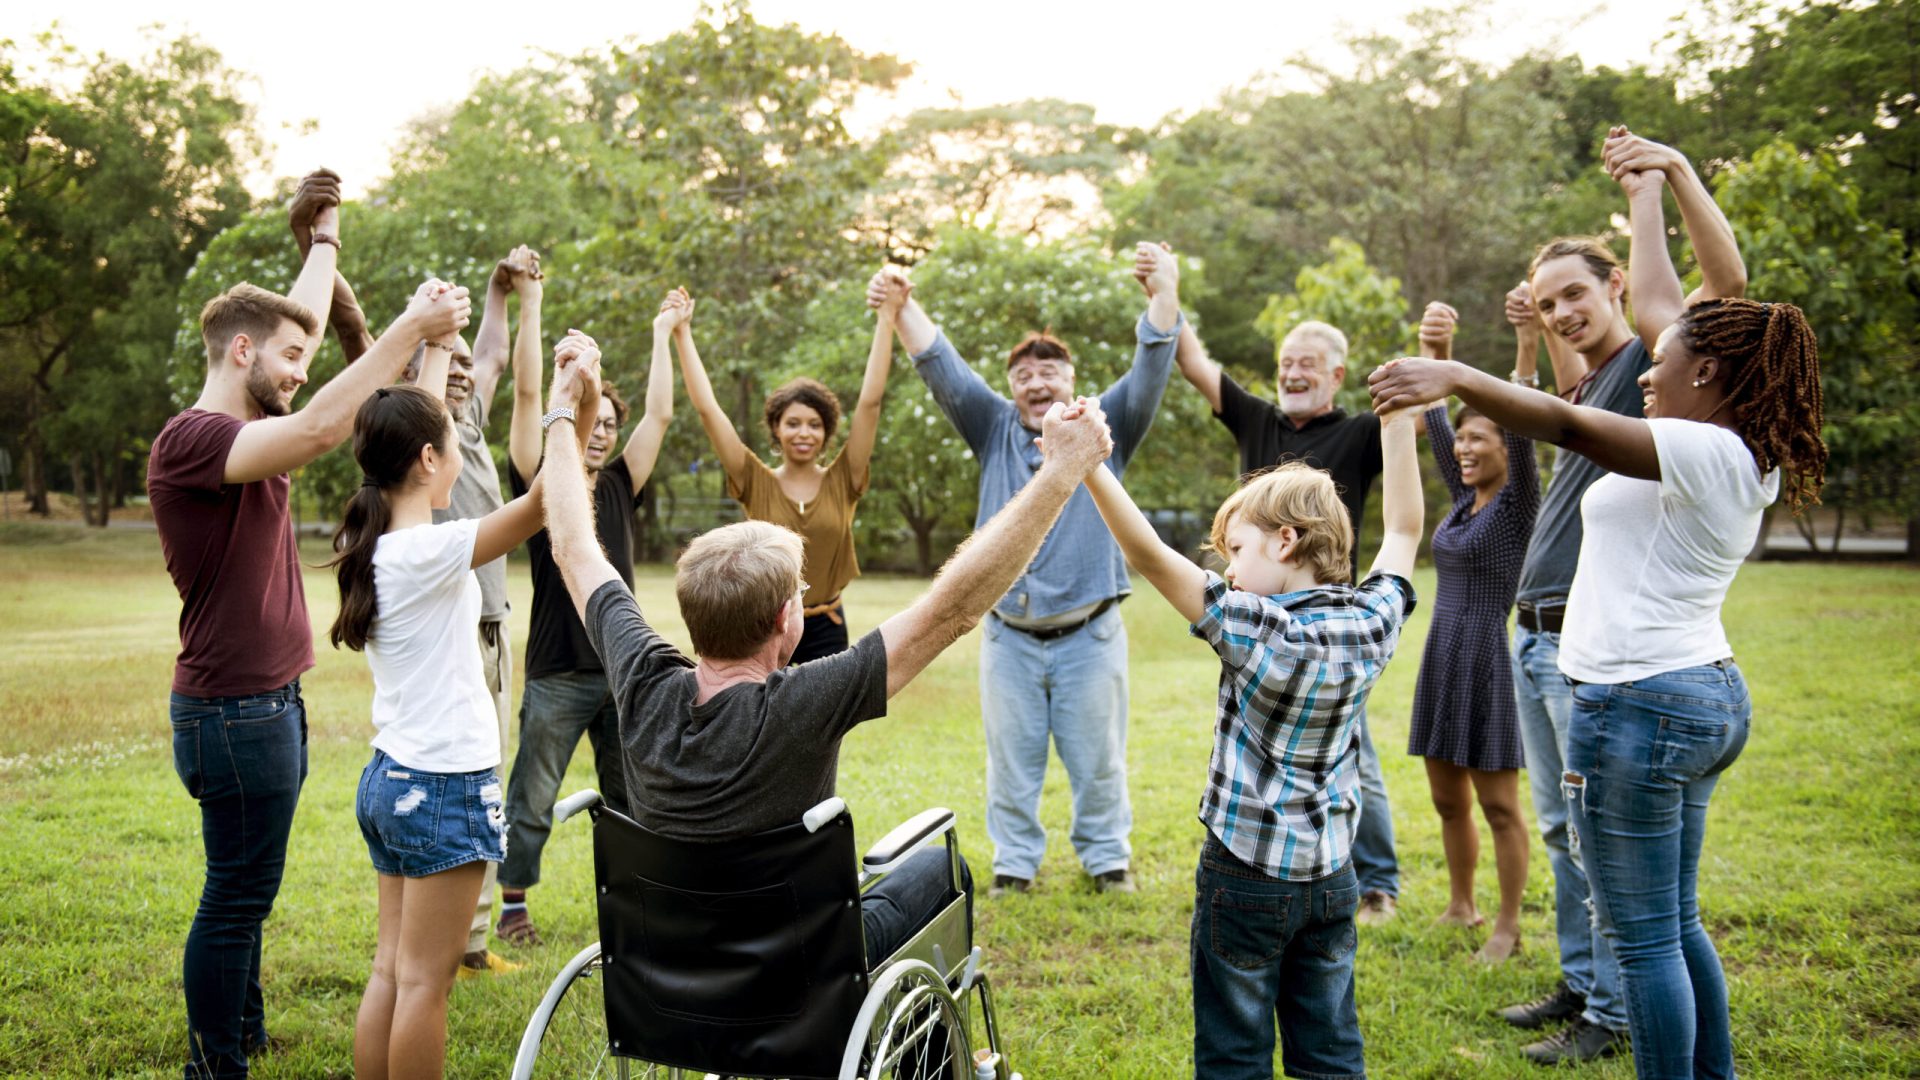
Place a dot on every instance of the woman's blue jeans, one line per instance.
(244, 760)
(1642, 760)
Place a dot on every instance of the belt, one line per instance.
(1048, 633)
(1541, 620)
(831, 609)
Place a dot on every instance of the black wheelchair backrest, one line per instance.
(742, 957)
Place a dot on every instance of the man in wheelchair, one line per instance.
(736, 743)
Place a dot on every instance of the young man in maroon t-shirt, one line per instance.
(217, 478)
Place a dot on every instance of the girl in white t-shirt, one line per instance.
(1660, 709)
(429, 803)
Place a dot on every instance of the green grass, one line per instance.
(1810, 882)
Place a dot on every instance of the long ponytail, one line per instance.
(1773, 386)
(388, 432)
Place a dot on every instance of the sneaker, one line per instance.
(516, 928)
(1007, 883)
(1120, 881)
(1560, 1004)
(486, 962)
(1582, 1040)
(1376, 907)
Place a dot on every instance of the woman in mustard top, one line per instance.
(813, 499)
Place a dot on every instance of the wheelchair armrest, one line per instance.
(906, 838)
(827, 809)
(574, 803)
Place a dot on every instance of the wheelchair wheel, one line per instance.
(909, 1028)
(567, 1037)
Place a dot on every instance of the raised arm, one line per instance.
(523, 433)
(1616, 443)
(1723, 273)
(1132, 401)
(726, 441)
(1402, 506)
(1197, 367)
(873, 386)
(280, 444)
(490, 349)
(959, 392)
(985, 567)
(318, 189)
(1529, 331)
(576, 359)
(1172, 574)
(643, 446)
(1437, 324)
(569, 503)
(313, 289)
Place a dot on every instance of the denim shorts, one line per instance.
(418, 823)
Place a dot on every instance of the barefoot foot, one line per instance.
(1499, 948)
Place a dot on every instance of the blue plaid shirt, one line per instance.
(1283, 788)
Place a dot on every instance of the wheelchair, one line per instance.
(747, 958)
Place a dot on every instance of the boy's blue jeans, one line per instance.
(1642, 760)
(244, 759)
(1267, 949)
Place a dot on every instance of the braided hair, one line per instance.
(1772, 365)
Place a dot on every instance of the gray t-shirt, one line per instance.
(476, 493)
(753, 757)
(1555, 549)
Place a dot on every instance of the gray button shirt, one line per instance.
(476, 493)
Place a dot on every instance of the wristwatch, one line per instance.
(1518, 379)
(560, 412)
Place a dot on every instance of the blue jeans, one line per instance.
(244, 760)
(1074, 689)
(1373, 858)
(1266, 949)
(1642, 760)
(1545, 704)
(554, 712)
(903, 902)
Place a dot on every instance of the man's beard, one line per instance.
(266, 396)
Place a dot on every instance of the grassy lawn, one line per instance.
(1810, 882)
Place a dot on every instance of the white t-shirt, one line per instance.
(431, 707)
(1657, 557)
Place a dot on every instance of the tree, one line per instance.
(1808, 241)
(110, 194)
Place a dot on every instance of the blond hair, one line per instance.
(1332, 342)
(733, 584)
(1304, 497)
(253, 311)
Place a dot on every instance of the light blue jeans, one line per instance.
(1545, 702)
(1642, 760)
(1373, 859)
(1073, 689)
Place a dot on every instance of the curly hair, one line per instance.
(1772, 362)
(803, 391)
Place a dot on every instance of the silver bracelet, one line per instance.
(560, 412)
(1518, 379)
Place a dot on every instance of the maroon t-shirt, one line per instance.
(229, 547)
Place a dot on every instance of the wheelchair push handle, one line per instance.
(585, 799)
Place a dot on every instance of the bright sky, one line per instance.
(337, 93)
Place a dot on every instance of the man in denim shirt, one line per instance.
(1054, 662)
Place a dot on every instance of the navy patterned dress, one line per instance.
(1463, 709)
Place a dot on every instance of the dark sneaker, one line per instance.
(1560, 1004)
(1120, 881)
(1581, 1040)
(1006, 883)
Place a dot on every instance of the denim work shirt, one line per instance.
(1079, 563)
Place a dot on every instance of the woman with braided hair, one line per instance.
(1660, 709)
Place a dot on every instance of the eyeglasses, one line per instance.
(608, 424)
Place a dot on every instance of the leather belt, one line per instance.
(1048, 633)
(1541, 620)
